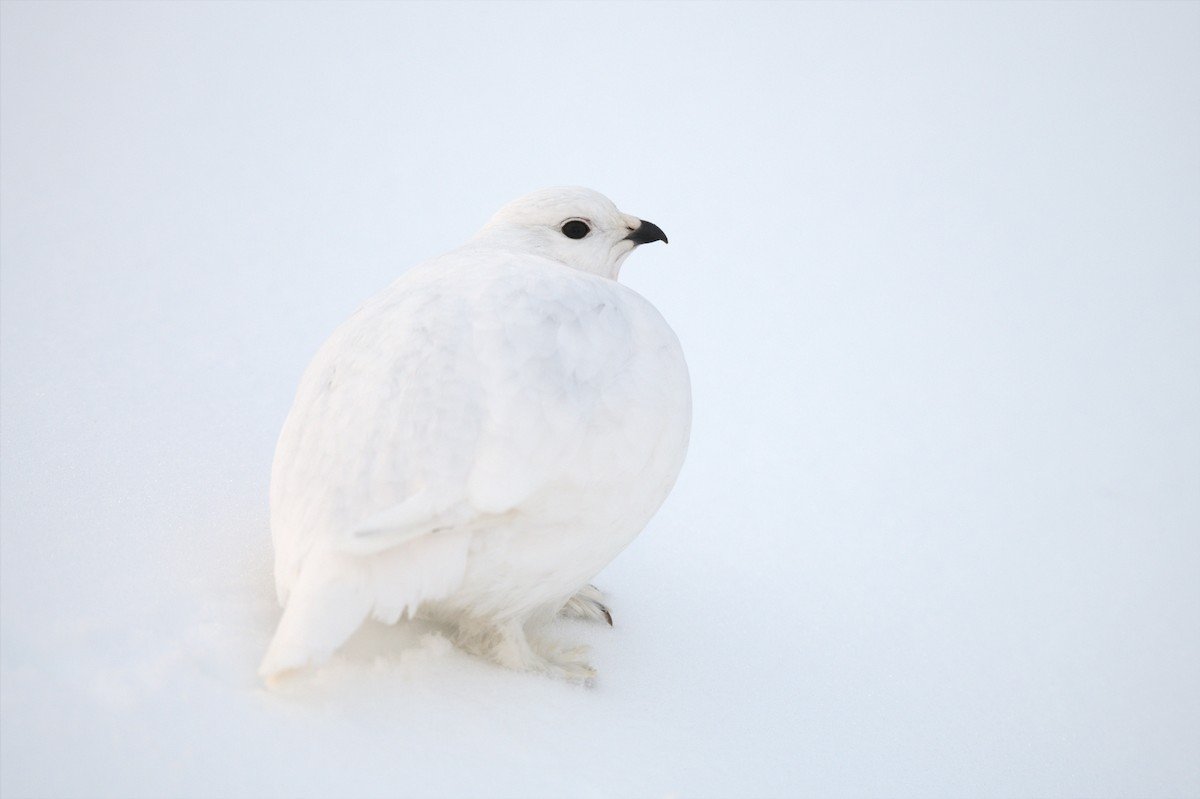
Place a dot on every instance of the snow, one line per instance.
(936, 268)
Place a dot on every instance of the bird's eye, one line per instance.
(575, 229)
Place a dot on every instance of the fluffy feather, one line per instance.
(479, 440)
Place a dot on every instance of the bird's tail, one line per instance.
(328, 602)
(336, 591)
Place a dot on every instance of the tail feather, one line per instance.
(326, 605)
(335, 592)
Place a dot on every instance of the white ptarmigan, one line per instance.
(479, 440)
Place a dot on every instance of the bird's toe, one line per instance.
(587, 604)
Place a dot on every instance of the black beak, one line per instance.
(647, 232)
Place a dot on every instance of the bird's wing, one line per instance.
(379, 442)
(444, 404)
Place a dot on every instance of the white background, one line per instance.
(937, 272)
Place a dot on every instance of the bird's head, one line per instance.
(577, 226)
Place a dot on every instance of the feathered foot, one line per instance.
(508, 645)
(587, 605)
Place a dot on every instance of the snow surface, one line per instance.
(937, 272)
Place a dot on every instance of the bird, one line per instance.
(477, 441)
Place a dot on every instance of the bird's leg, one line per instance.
(587, 604)
(506, 643)
(565, 662)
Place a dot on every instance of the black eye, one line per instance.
(575, 229)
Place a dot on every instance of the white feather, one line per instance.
(478, 440)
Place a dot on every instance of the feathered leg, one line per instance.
(507, 644)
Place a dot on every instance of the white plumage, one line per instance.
(476, 442)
